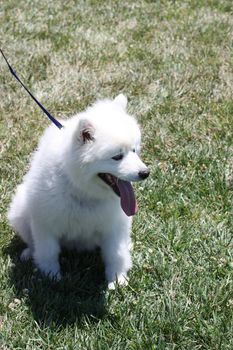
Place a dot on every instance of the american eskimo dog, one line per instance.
(77, 192)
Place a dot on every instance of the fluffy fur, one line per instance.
(63, 201)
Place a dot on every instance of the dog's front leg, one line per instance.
(46, 251)
(117, 259)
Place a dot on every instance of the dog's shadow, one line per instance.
(81, 291)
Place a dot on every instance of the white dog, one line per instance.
(77, 192)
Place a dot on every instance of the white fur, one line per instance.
(62, 201)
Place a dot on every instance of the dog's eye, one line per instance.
(118, 157)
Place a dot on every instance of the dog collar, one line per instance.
(49, 115)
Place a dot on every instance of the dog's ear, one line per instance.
(121, 101)
(87, 131)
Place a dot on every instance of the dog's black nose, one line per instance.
(144, 174)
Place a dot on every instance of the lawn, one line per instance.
(174, 61)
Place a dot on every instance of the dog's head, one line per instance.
(105, 150)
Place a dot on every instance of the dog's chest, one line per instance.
(85, 218)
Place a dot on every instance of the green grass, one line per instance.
(173, 59)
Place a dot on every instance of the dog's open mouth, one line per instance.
(124, 190)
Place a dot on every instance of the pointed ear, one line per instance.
(121, 101)
(86, 131)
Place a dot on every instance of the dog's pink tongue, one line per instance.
(128, 200)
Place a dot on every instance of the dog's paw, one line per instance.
(51, 271)
(53, 274)
(55, 277)
(26, 254)
(121, 281)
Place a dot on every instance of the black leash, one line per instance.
(49, 115)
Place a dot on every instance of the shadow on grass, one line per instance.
(80, 293)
